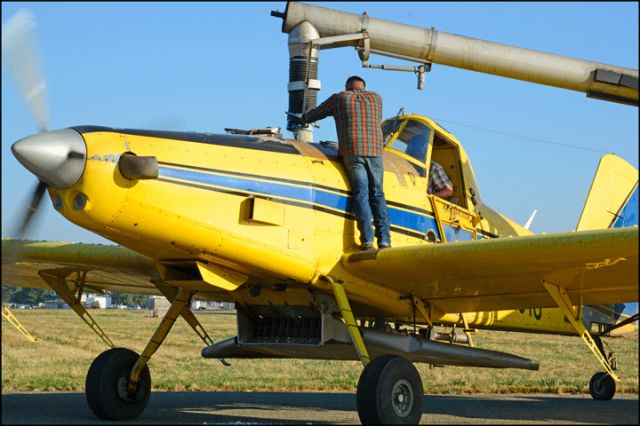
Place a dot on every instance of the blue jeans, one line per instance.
(366, 175)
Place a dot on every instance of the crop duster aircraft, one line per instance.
(264, 221)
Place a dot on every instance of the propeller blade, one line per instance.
(36, 198)
(20, 53)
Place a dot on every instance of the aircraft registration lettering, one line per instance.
(605, 262)
(533, 312)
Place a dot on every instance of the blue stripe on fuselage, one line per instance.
(250, 185)
(405, 219)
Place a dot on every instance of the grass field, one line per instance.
(66, 348)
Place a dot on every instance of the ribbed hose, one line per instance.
(298, 72)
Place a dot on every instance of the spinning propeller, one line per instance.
(56, 157)
(21, 56)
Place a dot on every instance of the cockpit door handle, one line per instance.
(413, 177)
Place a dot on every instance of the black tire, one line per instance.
(106, 385)
(389, 392)
(602, 387)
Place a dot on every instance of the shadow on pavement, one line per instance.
(318, 408)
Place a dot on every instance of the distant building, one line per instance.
(156, 306)
(96, 301)
(210, 305)
(88, 300)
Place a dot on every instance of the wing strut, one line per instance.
(57, 280)
(574, 316)
(14, 322)
(171, 293)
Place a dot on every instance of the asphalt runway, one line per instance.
(322, 408)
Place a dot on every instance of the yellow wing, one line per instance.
(595, 267)
(112, 268)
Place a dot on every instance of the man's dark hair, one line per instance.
(355, 78)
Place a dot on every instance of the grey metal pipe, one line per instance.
(598, 80)
(444, 353)
(378, 344)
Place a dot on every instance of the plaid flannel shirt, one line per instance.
(438, 178)
(358, 116)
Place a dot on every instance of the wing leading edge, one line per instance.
(112, 268)
(594, 267)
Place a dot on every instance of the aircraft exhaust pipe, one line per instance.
(607, 82)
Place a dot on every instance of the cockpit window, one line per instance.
(389, 127)
(412, 141)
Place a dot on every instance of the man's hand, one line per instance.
(297, 117)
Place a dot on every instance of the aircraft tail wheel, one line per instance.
(106, 386)
(389, 392)
(602, 387)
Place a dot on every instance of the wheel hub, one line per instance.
(598, 385)
(124, 393)
(402, 398)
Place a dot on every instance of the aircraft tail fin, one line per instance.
(613, 198)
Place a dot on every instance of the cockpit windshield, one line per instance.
(412, 140)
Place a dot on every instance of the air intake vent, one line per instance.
(299, 330)
(279, 325)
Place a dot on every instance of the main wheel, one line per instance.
(602, 387)
(389, 392)
(106, 386)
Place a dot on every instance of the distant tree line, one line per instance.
(128, 299)
(26, 296)
(33, 296)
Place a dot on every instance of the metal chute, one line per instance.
(428, 45)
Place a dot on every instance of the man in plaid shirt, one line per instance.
(439, 183)
(358, 117)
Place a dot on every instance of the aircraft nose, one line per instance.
(57, 157)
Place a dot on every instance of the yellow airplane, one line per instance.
(264, 221)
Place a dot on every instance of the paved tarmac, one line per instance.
(322, 408)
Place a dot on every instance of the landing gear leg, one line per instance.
(602, 386)
(118, 383)
(389, 390)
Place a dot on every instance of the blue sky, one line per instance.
(206, 66)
